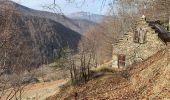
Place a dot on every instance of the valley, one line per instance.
(100, 50)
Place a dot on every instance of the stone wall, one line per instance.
(147, 62)
(137, 52)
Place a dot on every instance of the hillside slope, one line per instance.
(38, 91)
(60, 18)
(46, 35)
(149, 80)
(42, 36)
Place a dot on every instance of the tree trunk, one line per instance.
(169, 24)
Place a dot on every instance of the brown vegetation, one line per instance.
(140, 81)
(146, 80)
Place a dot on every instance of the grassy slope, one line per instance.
(149, 80)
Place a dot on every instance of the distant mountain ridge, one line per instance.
(45, 32)
(62, 19)
(44, 36)
(87, 16)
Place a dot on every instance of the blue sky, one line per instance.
(93, 6)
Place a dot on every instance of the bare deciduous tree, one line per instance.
(15, 56)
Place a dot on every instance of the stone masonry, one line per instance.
(148, 44)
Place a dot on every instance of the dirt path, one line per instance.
(40, 91)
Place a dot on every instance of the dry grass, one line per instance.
(38, 91)
(106, 67)
(149, 80)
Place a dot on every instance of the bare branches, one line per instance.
(15, 56)
(53, 7)
(80, 63)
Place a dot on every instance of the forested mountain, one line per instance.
(34, 33)
(78, 26)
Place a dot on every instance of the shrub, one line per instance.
(104, 69)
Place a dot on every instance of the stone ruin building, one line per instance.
(148, 39)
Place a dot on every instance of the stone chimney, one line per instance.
(141, 30)
(142, 20)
